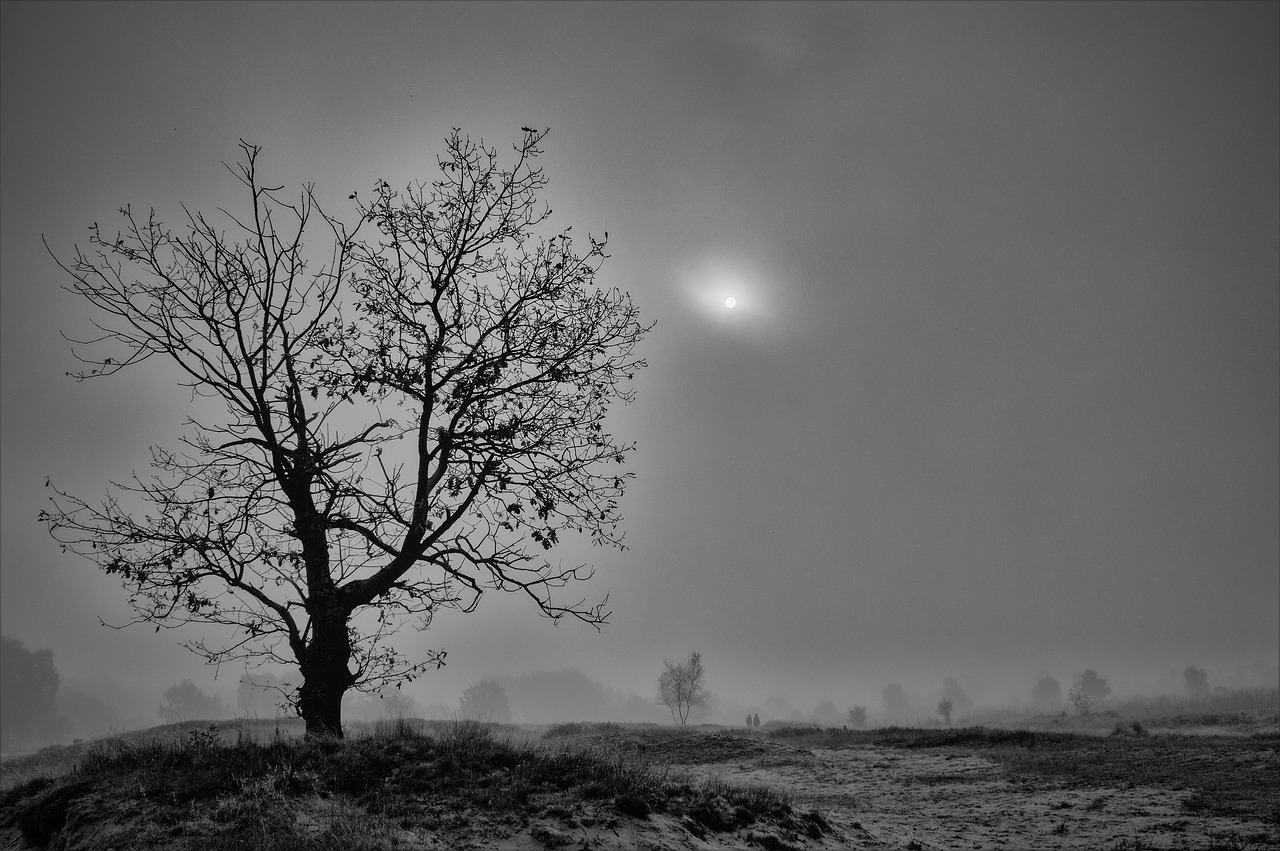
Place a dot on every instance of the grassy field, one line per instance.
(1212, 783)
(1228, 775)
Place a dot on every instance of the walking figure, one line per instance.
(757, 719)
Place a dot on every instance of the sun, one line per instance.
(730, 302)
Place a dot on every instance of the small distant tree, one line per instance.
(186, 702)
(893, 700)
(952, 691)
(486, 701)
(681, 687)
(1047, 693)
(1197, 681)
(827, 713)
(28, 695)
(394, 703)
(88, 714)
(858, 716)
(944, 708)
(1080, 698)
(1096, 685)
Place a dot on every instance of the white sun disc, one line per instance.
(730, 301)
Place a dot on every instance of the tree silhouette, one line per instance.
(952, 691)
(1197, 681)
(486, 700)
(944, 708)
(681, 687)
(1080, 698)
(28, 695)
(893, 701)
(1096, 685)
(412, 415)
(186, 702)
(1047, 693)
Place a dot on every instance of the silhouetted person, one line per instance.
(757, 719)
(748, 721)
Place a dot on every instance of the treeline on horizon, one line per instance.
(39, 708)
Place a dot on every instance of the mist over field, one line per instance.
(996, 399)
(89, 707)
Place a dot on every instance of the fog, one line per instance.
(999, 397)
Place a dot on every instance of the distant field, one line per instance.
(1164, 783)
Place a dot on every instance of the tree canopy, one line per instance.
(28, 695)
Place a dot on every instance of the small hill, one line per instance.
(401, 785)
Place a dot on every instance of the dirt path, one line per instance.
(890, 798)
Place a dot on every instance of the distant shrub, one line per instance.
(1196, 681)
(1132, 728)
(1080, 698)
(1047, 694)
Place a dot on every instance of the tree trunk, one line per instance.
(325, 677)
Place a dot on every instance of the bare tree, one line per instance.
(1080, 698)
(953, 692)
(945, 708)
(410, 416)
(681, 687)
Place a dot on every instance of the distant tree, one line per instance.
(88, 715)
(437, 712)
(1197, 681)
(1046, 694)
(858, 716)
(186, 702)
(640, 708)
(302, 504)
(28, 696)
(944, 708)
(486, 700)
(826, 712)
(1096, 685)
(567, 695)
(394, 703)
(1080, 698)
(682, 687)
(952, 691)
(893, 701)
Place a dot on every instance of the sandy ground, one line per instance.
(874, 797)
(890, 798)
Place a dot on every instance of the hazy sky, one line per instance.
(1000, 395)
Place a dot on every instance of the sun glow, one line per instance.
(729, 290)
